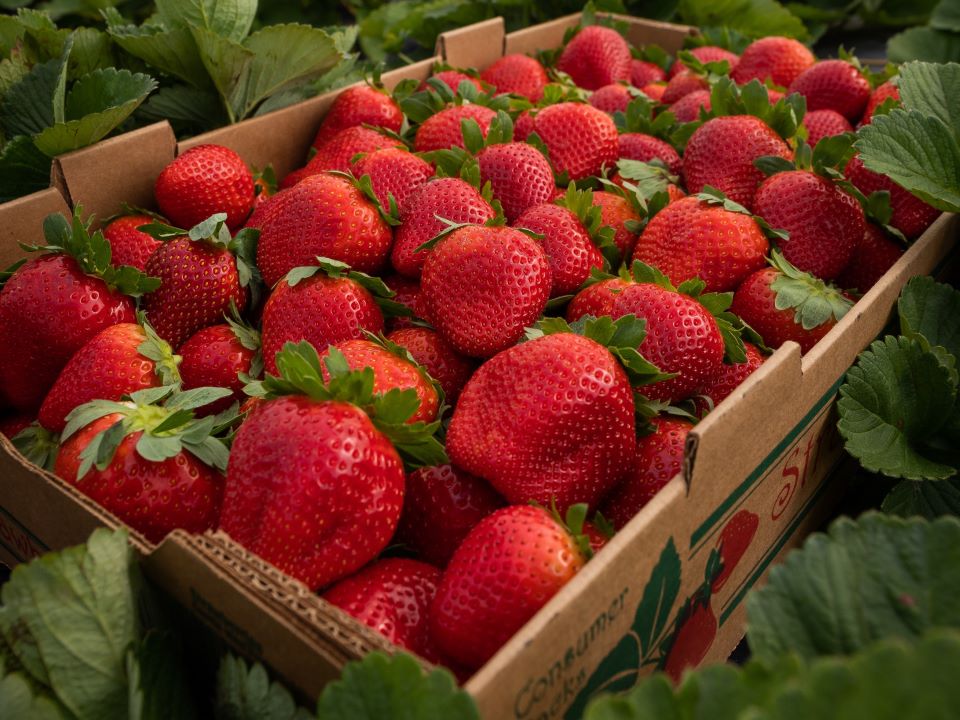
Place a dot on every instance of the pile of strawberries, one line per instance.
(488, 307)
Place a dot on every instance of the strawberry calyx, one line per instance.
(813, 301)
(38, 445)
(573, 524)
(641, 116)
(785, 117)
(249, 337)
(560, 179)
(265, 181)
(831, 153)
(710, 71)
(713, 196)
(338, 269)
(647, 409)
(645, 185)
(889, 71)
(420, 105)
(165, 362)
(401, 352)
(580, 203)
(390, 214)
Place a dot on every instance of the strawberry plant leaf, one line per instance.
(933, 90)
(246, 692)
(230, 18)
(24, 168)
(36, 102)
(931, 310)
(19, 700)
(814, 302)
(38, 445)
(157, 683)
(930, 500)
(171, 51)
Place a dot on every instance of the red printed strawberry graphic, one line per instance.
(696, 630)
(735, 538)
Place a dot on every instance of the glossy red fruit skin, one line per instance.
(452, 78)
(707, 54)
(49, 309)
(687, 108)
(289, 180)
(107, 367)
(154, 498)
(643, 73)
(659, 460)
(881, 93)
(442, 131)
(682, 337)
(754, 301)
(834, 85)
(507, 568)
(214, 357)
(323, 310)
(721, 154)
(519, 176)
(547, 420)
(596, 56)
(734, 540)
(655, 91)
(128, 245)
(482, 286)
(441, 506)
(570, 251)
(825, 223)
(596, 300)
(778, 58)
(911, 215)
(359, 105)
(205, 180)
(824, 123)
(324, 216)
(444, 364)
(338, 152)
(581, 139)
(394, 172)
(517, 74)
(299, 483)
(198, 283)
(682, 85)
(611, 98)
(450, 198)
(407, 293)
(697, 631)
(730, 378)
(523, 126)
(615, 211)
(637, 146)
(690, 238)
(874, 255)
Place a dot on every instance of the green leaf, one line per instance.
(157, 449)
(931, 310)
(18, 700)
(926, 499)
(380, 687)
(158, 684)
(24, 168)
(924, 43)
(173, 52)
(754, 18)
(227, 63)
(36, 102)
(658, 598)
(933, 90)
(230, 18)
(946, 16)
(813, 301)
(246, 693)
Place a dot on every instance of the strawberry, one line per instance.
(696, 630)
(693, 238)
(834, 85)
(874, 255)
(730, 377)
(128, 244)
(596, 56)
(687, 108)
(523, 125)
(360, 105)
(220, 356)
(596, 299)
(517, 74)
(452, 78)
(150, 464)
(265, 187)
(481, 286)
(707, 54)
(203, 181)
(659, 460)
(682, 85)
(315, 481)
(825, 223)
(406, 293)
(617, 212)
(777, 59)
(638, 146)
(441, 506)
(289, 180)
(117, 361)
(519, 176)
(611, 98)
(579, 138)
(13, 425)
(435, 355)
(655, 91)
(506, 569)
(394, 172)
(911, 215)
(442, 130)
(734, 540)
(452, 199)
(323, 215)
(643, 73)
(883, 92)
(721, 153)
(824, 123)
(338, 152)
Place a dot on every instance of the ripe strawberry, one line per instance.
(507, 568)
(659, 460)
(523, 126)
(289, 180)
(452, 78)
(691, 238)
(655, 91)
(162, 472)
(360, 105)
(394, 171)
(596, 56)
(406, 293)
(779, 59)
(579, 138)
(13, 425)
(324, 215)
(203, 181)
(734, 540)
(643, 73)
(452, 199)
(824, 123)
(707, 54)
(567, 243)
(637, 146)
(834, 85)
(911, 215)
(338, 152)
(265, 187)
(216, 357)
(611, 98)
(687, 108)
(874, 255)
(682, 85)
(517, 74)
(617, 212)
(441, 506)
(117, 361)
(442, 130)
(597, 299)
(881, 93)
(444, 364)
(519, 176)
(481, 286)
(730, 377)
(696, 630)
(721, 154)
(825, 223)
(129, 245)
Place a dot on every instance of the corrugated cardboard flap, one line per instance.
(21, 221)
(474, 46)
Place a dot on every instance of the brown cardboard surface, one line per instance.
(21, 221)
(474, 46)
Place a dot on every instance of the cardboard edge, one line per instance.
(21, 220)
(473, 46)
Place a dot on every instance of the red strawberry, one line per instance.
(721, 154)
(13, 425)
(616, 211)
(911, 215)
(442, 130)
(523, 126)
(517, 74)
(406, 292)
(567, 243)
(597, 299)
(637, 146)
(691, 238)
(579, 138)
(707, 54)
(128, 245)
(655, 91)
(452, 199)
(507, 568)
(216, 357)
(824, 123)
(441, 506)
(734, 540)
(289, 180)
(874, 255)
(881, 93)
(395, 172)
(687, 108)
(205, 180)
(696, 630)
(338, 152)
(778, 59)
(834, 85)
(444, 364)
(324, 215)
(659, 460)
(596, 56)
(360, 105)
(825, 223)
(611, 98)
(481, 286)
(730, 377)
(452, 78)
(682, 85)
(519, 176)
(643, 73)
